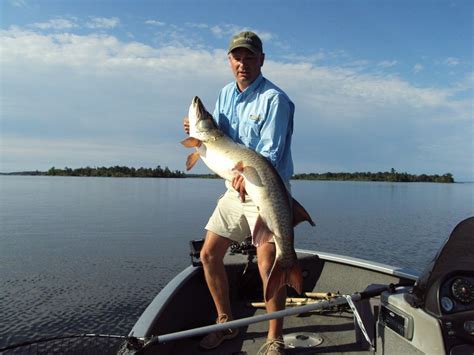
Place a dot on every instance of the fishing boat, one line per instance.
(348, 305)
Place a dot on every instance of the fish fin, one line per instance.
(300, 214)
(191, 142)
(279, 278)
(261, 234)
(192, 160)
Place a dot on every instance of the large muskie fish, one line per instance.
(278, 211)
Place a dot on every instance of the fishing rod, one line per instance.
(238, 323)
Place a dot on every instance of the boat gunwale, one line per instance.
(365, 264)
(144, 325)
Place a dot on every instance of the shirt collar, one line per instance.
(251, 88)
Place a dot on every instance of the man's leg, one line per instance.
(266, 256)
(212, 258)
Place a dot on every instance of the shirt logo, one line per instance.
(255, 117)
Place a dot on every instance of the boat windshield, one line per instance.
(454, 257)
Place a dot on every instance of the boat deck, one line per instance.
(193, 307)
(336, 330)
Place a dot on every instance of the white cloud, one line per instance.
(56, 24)
(217, 31)
(265, 36)
(310, 58)
(228, 30)
(387, 63)
(155, 23)
(451, 61)
(103, 22)
(418, 68)
(346, 94)
(72, 22)
(197, 25)
(18, 3)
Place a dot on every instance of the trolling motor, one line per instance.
(244, 248)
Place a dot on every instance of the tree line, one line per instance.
(124, 171)
(392, 176)
(116, 171)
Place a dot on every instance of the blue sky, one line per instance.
(376, 84)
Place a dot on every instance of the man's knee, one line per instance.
(214, 249)
(209, 257)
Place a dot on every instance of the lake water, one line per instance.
(87, 255)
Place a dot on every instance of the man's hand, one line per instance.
(186, 125)
(238, 183)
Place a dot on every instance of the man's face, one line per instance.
(246, 66)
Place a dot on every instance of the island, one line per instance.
(391, 176)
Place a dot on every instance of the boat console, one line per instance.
(436, 316)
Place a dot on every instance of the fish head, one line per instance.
(201, 122)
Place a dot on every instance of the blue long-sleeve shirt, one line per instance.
(261, 118)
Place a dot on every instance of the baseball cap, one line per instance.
(246, 39)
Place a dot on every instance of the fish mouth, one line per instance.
(198, 107)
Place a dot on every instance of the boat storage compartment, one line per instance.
(402, 329)
(397, 320)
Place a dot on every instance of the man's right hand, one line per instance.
(238, 183)
(186, 125)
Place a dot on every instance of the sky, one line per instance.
(376, 84)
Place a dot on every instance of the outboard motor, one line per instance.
(437, 314)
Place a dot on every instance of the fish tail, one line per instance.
(280, 277)
(300, 214)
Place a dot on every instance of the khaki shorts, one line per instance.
(232, 218)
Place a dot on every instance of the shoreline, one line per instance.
(356, 177)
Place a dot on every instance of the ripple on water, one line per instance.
(99, 302)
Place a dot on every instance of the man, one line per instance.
(254, 112)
